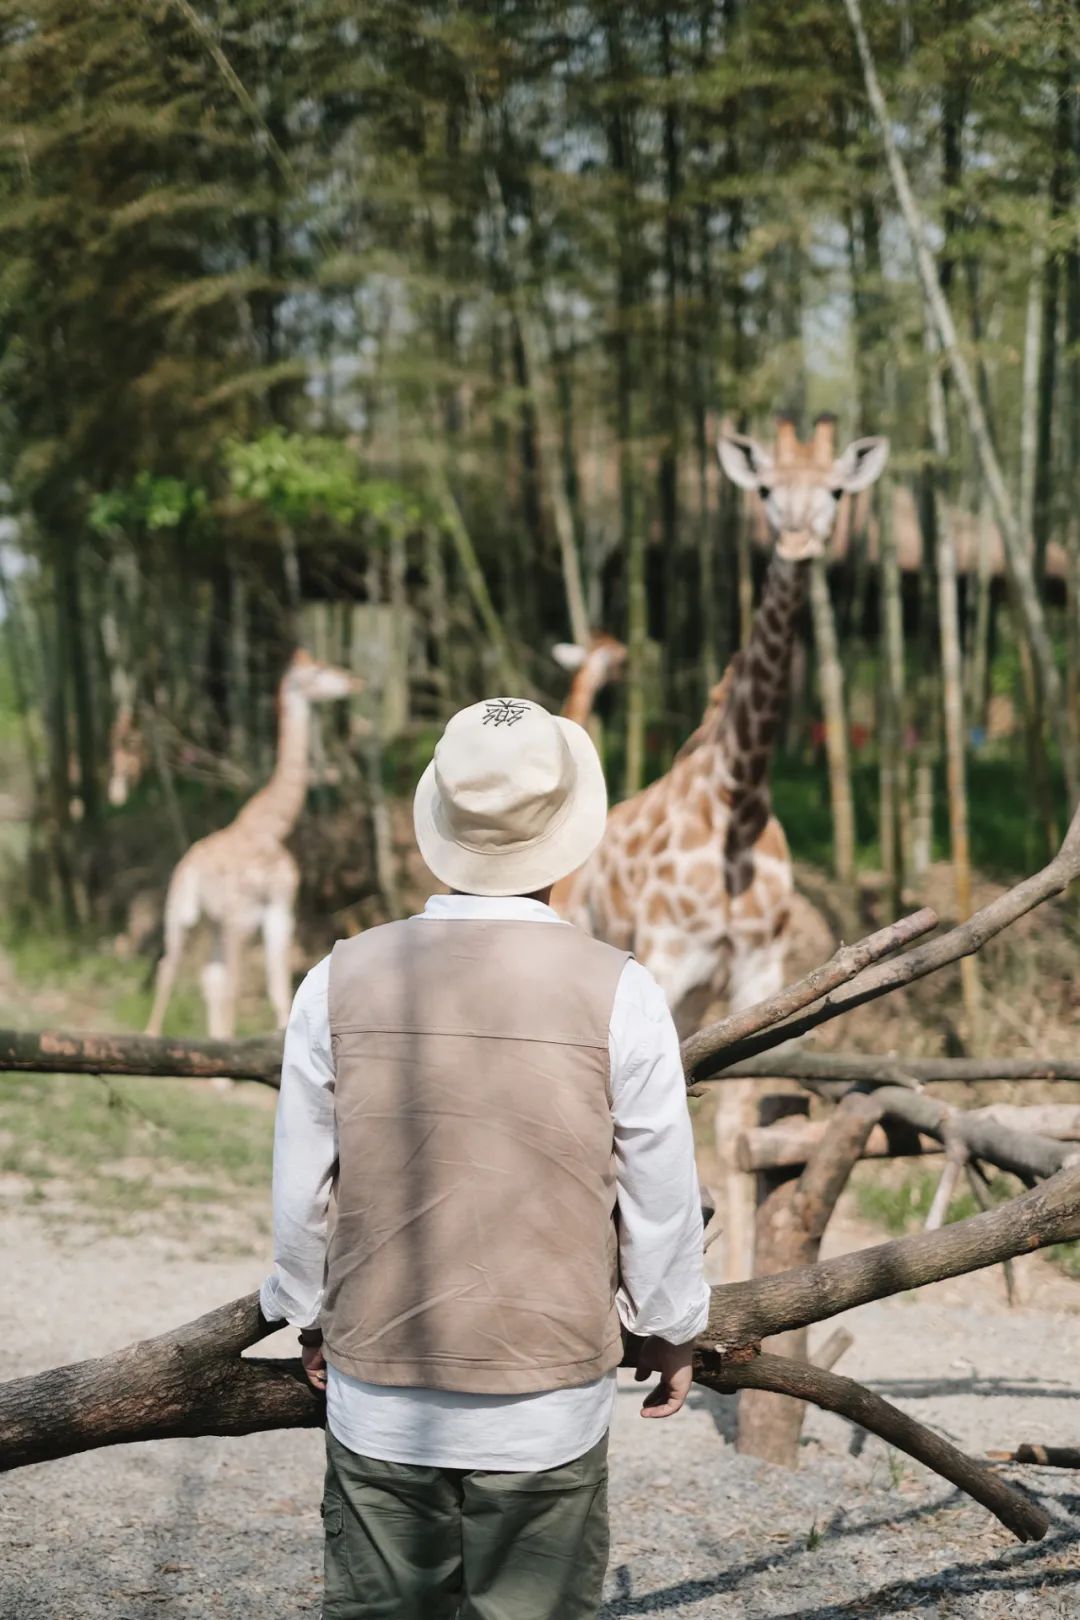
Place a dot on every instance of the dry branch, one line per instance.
(870, 1069)
(804, 1382)
(744, 1313)
(1041, 1456)
(64, 1052)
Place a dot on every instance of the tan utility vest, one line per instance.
(473, 1242)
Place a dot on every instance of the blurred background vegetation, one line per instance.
(371, 326)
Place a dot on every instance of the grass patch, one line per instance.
(127, 1145)
(901, 1204)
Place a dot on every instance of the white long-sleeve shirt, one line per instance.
(662, 1286)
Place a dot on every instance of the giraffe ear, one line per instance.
(568, 655)
(858, 466)
(744, 461)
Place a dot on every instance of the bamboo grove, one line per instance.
(442, 307)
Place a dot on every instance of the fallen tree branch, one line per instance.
(65, 1052)
(192, 1380)
(884, 977)
(805, 1382)
(869, 1069)
(743, 1313)
(848, 962)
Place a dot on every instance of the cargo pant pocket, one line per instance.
(336, 1585)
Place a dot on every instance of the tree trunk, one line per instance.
(831, 680)
(895, 833)
(952, 677)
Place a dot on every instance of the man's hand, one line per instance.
(675, 1364)
(314, 1365)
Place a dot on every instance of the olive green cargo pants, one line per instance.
(409, 1543)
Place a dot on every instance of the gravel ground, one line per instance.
(206, 1527)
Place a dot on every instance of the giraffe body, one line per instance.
(242, 879)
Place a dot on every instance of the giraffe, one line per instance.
(693, 874)
(242, 878)
(593, 668)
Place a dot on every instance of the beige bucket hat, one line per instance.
(513, 800)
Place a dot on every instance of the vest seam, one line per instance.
(474, 1035)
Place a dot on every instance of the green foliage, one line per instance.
(298, 477)
(147, 503)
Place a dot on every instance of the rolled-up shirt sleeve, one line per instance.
(661, 1259)
(305, 1158)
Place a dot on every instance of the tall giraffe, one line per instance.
(693, 874)
(593, 667)
(242, 878)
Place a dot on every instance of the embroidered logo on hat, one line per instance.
(503, 711)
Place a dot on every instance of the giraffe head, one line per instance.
(603, 660)
(316, 682)
(800, 485)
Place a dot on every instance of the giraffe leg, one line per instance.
(277, 931)
(181, 915)
(214, 982)
(167, 969)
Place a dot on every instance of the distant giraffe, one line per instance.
(593, 668)
(242, 878)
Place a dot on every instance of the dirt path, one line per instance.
(200, 1528)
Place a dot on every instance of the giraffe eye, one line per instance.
(764, 491)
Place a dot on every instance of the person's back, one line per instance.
(483, 1151)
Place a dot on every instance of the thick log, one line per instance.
(192, 1380)
(746, 1312)
(788, 1144)
(713, 1050)
(829, 1390)
(67, 1052)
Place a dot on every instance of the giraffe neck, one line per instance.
(581, 696)
(751, 715)
(278, 805)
